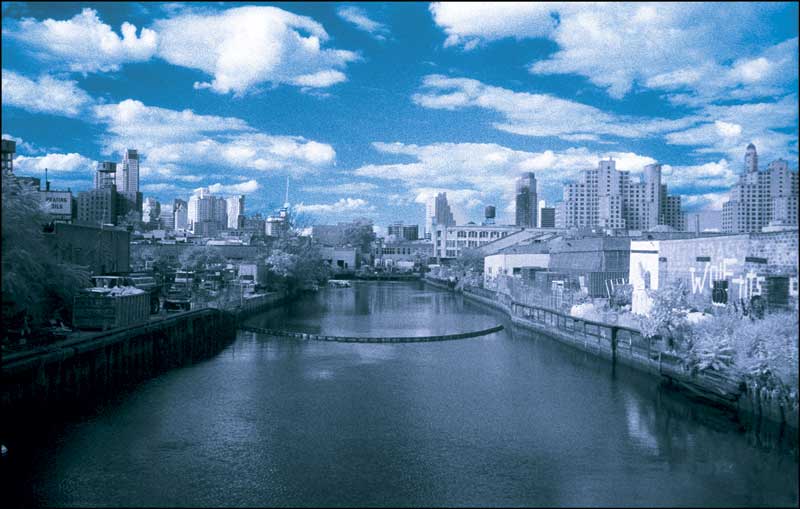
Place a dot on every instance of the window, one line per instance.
(719, 292)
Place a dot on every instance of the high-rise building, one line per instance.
(98, 206)
(127, 181)
(278, 225)
(180, 213)
(167, 217)
(607, 198)
(151, 211)
(128, 175)
(547, 217)
(410, 232)
(438, 212)
(395, 229)
(7, 150)
(403, 231)
(527, 201)
(235, 212)
(761, 198)
(200, 207)
(203, 207)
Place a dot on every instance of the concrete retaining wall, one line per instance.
(74, 371)
(749, 402)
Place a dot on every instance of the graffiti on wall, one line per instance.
(749, 283)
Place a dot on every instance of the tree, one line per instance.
(132, 221)
(668, 314)
(199, 258)
(470, 260)
(293, 261)
(34, 282)
(359, 234)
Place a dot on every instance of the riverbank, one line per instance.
(751, 402)
(68, 375)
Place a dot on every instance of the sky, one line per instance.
(371, 108)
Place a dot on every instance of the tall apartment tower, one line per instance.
(128, 176)
(761, 198)
(652, 195)
(235, 212)
(527, 201)
(438, 212)
(607, 198)
(151, 210)
(180, 212)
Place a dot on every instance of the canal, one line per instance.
(508, 419)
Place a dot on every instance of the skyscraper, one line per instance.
(180, 212)
(607, 198)
(151, 210)
(437, 212)
(760, 198)
(128, 176)
(527, 202)
(235, 209)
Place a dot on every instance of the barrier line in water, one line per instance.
(357, 339)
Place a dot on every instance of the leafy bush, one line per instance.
(668, 315)
(764, 350)
(621, 297)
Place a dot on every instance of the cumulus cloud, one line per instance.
(246, 46)
(344, 205)
(344, 188)
(168, 138)
(538, 114)
(705, 201)
(358, 18)
(719, 174)
(83, 43)
(241, 48)
(240, 188)
(43, 95)
(731, 127)
(769, 73)
(161, 187)
(616, 45)
(134, 123)
(66, 163)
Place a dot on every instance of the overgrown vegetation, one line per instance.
(764, 350)
(36, 286)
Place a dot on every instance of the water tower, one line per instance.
(489, 214)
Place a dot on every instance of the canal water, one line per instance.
(508, 419)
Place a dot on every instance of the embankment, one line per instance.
(627, 346)
(77, 372)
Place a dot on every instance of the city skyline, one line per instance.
(372, 108)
